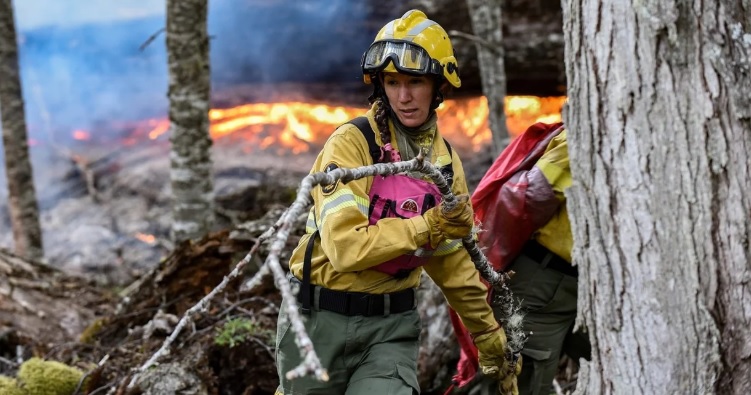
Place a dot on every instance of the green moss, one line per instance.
(239, 330)
(40, 377)
(89, 334)
(9, 386)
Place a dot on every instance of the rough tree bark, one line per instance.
(22, 201)
(660, 129)
(486, 23)
(436, 361)
(189, 88)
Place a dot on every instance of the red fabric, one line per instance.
(495, 188)
(500, 185)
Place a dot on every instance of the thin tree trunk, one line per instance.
(189, 91)
(436, 361)
(660, 129)
(22, 201)
(487, 25)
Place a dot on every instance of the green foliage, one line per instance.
(40, 377)
(9, 386)
(89, 334)
(239, 330)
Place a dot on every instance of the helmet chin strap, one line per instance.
(438, 98)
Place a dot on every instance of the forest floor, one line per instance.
(111, 266)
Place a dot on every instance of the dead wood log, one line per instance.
(44, 306)
(149, 310)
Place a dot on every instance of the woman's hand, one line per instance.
(491, 349)
(454, 224)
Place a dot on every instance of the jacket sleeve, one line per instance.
(455, 274)
(460, 283)
(341, 210)
(554, 166)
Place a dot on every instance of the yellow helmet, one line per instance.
(412, 44)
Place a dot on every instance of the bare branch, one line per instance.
(9, 362)
(201, 305)
(89, 372)
(495, 48)
(150, 39)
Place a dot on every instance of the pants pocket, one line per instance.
(538, 370)
(409, 376)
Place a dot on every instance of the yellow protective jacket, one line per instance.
(554, 164)
(348, 247)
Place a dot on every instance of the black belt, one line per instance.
(360, 303)
(538, 252)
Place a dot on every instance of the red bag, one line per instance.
(499, 184)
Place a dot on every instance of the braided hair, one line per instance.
(382, 120)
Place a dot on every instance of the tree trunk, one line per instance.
(22, 201)
(436, 361)
(486, 23)
(660, 129)
(189, 88)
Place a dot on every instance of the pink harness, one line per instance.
(401, 196)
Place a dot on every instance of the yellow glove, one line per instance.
(454, 224)
(507, 383)
(491, 347)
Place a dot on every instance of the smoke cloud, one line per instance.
(87, 71)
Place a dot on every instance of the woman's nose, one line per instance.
(404, 94)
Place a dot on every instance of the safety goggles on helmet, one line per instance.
(406, 57)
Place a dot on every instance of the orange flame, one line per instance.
(146, 238)
(79, 134)
(296, 126)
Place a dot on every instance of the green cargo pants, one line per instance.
(549, 298)
(363, 355)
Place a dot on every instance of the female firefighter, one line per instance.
(367, 242)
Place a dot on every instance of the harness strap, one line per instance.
(363, 124)
(305, 285)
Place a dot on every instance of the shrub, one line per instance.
(9, 386)
(40, 377)
(239, 330)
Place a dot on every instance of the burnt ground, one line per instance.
(110, 264)
(131, 325)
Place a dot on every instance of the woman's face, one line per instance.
(409, 96)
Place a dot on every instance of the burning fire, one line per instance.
(297, 126)
(146, 238)
(79, 134)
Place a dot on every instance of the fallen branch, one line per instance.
(201, 305)
(311, 363)
(83, 378)
(9, 363)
